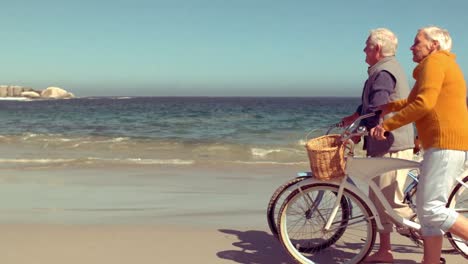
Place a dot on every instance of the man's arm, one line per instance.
(346, 121)
(384, 85)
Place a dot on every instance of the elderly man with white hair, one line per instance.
(437, 104)
(386, 82)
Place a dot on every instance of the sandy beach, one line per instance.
(152, 214)
(155, 244)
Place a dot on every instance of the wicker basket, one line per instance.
(326, 156)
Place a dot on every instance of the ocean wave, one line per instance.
(263, 152)
(32, 138)
(97, 161)
(270, 162)
(250, 120)
(36, 161)
(91, 162)
(27, 136)
(155, 161)
(140, 161)
(118, 139)
(286, 151)
(44, 148)
(88, 141)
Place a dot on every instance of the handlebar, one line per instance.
(354, 129)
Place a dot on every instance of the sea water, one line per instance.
(192, 160)
(163, 130)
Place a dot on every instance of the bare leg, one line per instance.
(460, 227)
(384, 254)
(432, 249)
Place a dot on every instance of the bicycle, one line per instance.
(314, 213)
(286, 188)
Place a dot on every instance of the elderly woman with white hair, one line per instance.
(437, 104)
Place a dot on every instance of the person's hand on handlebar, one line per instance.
(378, 132)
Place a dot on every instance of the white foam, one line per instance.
(263, 152)
(29, 135)
(85, 141)
(142, 161)
(35, 161)
(94, 160)
(162, 161)
(301, 142)
(119, 139)
(269, 162)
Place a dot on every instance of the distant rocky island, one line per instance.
(15, 91)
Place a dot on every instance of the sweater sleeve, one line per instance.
(397, 105)
(429, 83)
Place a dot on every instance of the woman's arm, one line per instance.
(429, 83)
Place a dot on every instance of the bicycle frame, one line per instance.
(460, 179)
(334, 215)
(365, 169)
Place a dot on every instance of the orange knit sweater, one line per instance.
(437, 104)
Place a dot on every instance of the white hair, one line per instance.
(386, 39)
(440, 35)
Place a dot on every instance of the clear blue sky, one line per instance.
(210, 47)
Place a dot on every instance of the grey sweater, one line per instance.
(387, 82)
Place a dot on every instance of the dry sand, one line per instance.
(143, 215)
(115, 244)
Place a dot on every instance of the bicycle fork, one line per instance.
(337, 204)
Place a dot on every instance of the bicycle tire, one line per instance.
(347, 247)
(458, 200)
(272, 213)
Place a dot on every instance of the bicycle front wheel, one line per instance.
(458, 200)
(275, 202)
(303, 217)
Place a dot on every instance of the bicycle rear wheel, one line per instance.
(302, 221)
(458, 200)
(275, 202)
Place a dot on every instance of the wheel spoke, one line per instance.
(302, 227)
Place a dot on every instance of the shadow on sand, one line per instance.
(260, 247)
(257, 247)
